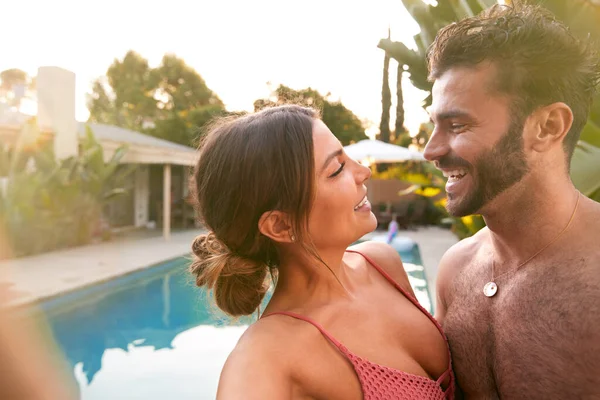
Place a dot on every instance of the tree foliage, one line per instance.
(46, 203)
(15, 84)
(344, 124)
(171, 101)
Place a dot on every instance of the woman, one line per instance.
(279, 195)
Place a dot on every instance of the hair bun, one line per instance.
(207, 245)
(239, 283)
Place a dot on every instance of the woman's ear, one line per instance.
(276, 226)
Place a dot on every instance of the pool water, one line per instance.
(149, 335)
(154, 335)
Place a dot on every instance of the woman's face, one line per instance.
(341, 213)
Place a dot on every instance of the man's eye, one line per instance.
(458, 127)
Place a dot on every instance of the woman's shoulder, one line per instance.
(255, 367)
(385, 257)
(262, 339)
(266, 359)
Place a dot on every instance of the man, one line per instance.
(520, 300)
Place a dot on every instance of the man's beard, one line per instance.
(495, 171)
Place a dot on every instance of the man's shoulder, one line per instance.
(583, 248)
(463, 252)
(456, 259)
(590, 215)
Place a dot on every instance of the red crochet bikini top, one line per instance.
(379, 382)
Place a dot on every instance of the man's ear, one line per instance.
(551, 124)
(276, 226)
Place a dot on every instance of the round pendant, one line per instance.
(490, 289)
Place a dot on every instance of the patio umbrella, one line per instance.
(375, 151)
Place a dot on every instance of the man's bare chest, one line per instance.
(517, 339)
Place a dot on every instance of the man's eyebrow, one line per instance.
(330, 157)
(448, 115)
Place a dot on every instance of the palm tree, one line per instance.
(386, 100)
(399, 129)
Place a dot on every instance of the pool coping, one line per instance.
(30, 280)
(51, 304)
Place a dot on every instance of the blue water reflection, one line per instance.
(155, 335)
(152, 335)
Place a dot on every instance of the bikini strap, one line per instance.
(387, 276)
(333, 340)
(418, 305)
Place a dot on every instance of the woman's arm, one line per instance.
(256, 369)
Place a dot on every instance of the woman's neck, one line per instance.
(304, 280)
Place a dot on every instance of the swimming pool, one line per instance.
(153, 334)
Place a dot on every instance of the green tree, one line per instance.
(430, 19)
(40, 193)
(399, 126)
(386, 100)
(125, 96)
(185, 101)
(170, 101)
(12, 79)
(344, 124)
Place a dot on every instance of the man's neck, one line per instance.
(528, 216)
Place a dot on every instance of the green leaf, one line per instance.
(591, 133)
(409, 190)
(94, 154)
(585, 168)
(461, 9)
(114, 193)
(118, 155)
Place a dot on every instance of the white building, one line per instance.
(163, 166)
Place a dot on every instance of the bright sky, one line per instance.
(236, 45)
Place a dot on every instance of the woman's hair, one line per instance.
(250, 165)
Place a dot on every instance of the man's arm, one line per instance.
(449, 267)
(577, 334)
(441, 287)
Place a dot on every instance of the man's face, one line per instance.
(477, 142)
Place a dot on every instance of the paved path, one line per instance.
(37, 277)
(33, 278)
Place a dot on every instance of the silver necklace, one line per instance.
(491, 288)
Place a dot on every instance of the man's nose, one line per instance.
(436, 147)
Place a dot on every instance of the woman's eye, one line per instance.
(336, 173)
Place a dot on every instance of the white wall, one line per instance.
(56, 108)
(142, 195)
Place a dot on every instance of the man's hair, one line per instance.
(539, 61)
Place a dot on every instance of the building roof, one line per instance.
(142, 148)
(10, 118)
(117, 134)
